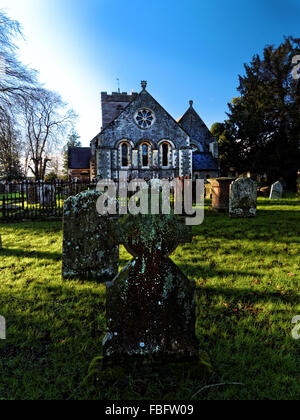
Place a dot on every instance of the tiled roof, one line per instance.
(79, 157)
(204, 162)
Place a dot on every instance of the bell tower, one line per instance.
(112, 105)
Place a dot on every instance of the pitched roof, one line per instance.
(192, 123)
(204, 162)
(79, 157)
(131, 104)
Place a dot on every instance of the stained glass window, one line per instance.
(144, 118)
(125, 160)
(145, 155)
(165, 154)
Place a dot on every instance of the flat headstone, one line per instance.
(151, 303)
(243, 198)
(276, 191)
(88, 249)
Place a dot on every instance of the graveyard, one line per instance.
(149, 203)
(247, 275)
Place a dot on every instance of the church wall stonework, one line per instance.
(104, 163)
(186, 162)
(163, 128)
(113, 105)
(122, 125)
(200, 135)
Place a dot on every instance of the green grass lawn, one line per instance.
(247, 274)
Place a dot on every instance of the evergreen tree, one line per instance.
(229, 149)
(73, 141)
(263, 126)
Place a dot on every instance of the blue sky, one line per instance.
(188, 49)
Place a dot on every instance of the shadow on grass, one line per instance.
(249, 295)
(21, 253)
(207, 271)
(38, 226)
(37, 344)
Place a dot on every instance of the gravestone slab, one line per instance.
(221, 193)
(47, 195)
(151, 303)
(243, 198)
(89, 251)
(208, 191)
(32, 193)
(276, 191)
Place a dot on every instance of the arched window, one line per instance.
(165, 155)
(125, 157)
(145, 155)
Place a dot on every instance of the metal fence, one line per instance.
(37, 200)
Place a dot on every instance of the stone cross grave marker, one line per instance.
(276, 191)
(88, 248)
(243, 198)
(151, 303)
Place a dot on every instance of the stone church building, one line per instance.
(140, 137)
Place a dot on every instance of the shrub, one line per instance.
(51, 177)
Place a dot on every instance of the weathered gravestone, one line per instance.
(47, 195)
(276, 191)
(32, 193)
(40, 193)
(151, 303)
(243, 198)
(208, 190)
(221, 193)
(88, 248)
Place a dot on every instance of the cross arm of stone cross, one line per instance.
(142, 234)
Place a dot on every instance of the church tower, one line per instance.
(112, 105)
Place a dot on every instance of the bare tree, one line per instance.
(46, 121)
(10, 145)
(56, 164)
(16, 80)
(43, 112)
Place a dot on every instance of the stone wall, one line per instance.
(112, 105)
(165, 126)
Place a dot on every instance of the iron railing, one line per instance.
(38, 200)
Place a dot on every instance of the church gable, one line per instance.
(144, 141)
(144, 119)
(199, 133)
